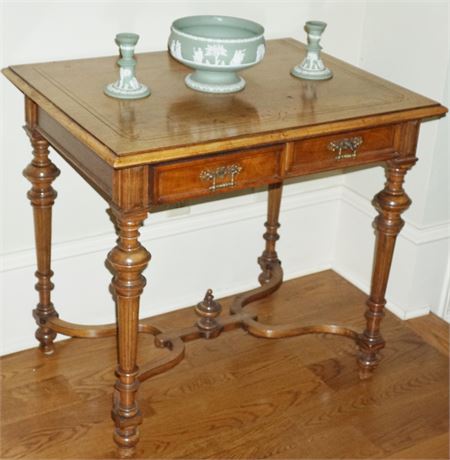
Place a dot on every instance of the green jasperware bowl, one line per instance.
(216, 47)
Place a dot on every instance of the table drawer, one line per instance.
(179, 180)
(343, 150)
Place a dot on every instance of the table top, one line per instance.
(176, 122)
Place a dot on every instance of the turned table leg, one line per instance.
(269, 257)
(128, 260)
(390, 203)
(41, 172)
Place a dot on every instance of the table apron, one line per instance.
(223, 172)
(179, 180)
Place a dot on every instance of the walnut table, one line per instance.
(178, 145)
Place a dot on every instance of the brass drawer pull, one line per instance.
(220, 173)
(351, 144)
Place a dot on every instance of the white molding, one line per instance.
(162, 229)
(413, 233)
(414, 238)
(28, 342)
(444, 301)
(224, 214)
(392, 307)
(227, 212)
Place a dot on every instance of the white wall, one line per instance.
(408, 43)
(219, 241)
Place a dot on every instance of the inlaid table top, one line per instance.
(274, 107)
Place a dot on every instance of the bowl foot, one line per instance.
(215, 82)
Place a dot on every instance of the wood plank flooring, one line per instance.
(242, 397)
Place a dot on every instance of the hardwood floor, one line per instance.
(433, 330)
(242, 397)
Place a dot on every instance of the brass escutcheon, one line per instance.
(340, 146)
(220, 173)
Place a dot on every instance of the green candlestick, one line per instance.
(312, 67)
(127, 87)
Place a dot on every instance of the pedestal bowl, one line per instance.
(216, 47)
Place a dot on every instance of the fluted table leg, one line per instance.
(390, 203)
(128, 260)
(41, 172)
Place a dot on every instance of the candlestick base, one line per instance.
(306, 72)
(114, 90)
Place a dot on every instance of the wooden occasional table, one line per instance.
(178, 145)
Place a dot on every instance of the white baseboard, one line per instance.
(27, 342)
(313, 238)
(222, 215)
(420, 253)
(444, 301)
(214, 246)
(392, 307)
(414, 233)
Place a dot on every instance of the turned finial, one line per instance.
(208, 310)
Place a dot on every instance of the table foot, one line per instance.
(370, 346)
(126, 442)
(126, 452)
(126, 416)
(366, 373)
(368, 357)
(46, 344)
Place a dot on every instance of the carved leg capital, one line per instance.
(390, 203)
(128, 260)
(41, 172)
